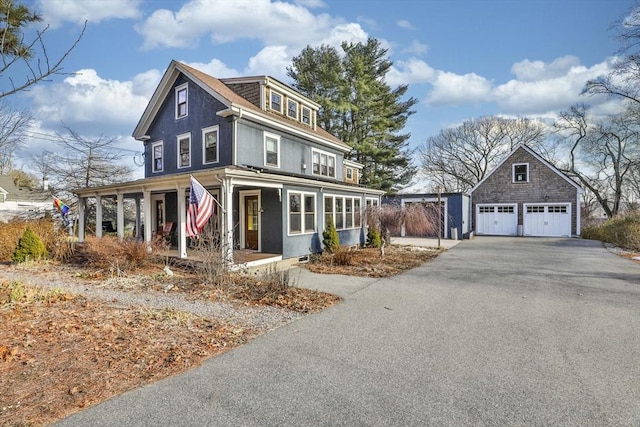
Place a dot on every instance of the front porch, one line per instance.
(244, 200)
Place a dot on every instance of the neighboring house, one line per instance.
(526, 196)
(254, 143)
(21, 202)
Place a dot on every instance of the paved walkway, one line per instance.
(496, 331)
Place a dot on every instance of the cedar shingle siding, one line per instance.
(545, 185)
(249, 91)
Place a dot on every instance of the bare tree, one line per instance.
(459, 157)
(602, 154)
(27, 57)
(85, 162)
(13, 125)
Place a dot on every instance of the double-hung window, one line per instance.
(184, 150)
(182, 95)
(210, 145)
(158, 157)
(302, 213)
(521, 172)
(276, 102)
(271, 150)
(324, 164)
(292, 109)
(306, 116)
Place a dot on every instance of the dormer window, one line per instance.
(292, 109)
(306, 116)
(521, 172)
(182, 95)
(276, 101)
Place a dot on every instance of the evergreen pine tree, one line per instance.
(30, 247)
(331, 240)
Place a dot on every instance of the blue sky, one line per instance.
(460, 58)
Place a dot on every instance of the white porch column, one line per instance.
(98, 216)
(81, 205)
(120, 215)
(227, 220)
(182, 222)
(147, 215)
(138, 222)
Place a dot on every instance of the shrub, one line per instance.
(330, 239)
(117, 255)
(343, 256)
(10, 233)
(373, 238)
(29, 248)
(622, 231)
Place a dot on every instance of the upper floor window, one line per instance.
(349, 173)
(271, 150)
(184, 150)
(306, 115)
(182, 94)
(324, 164)
(292, 109)
(276, 101)
(521, 172)
(158, 157)
(210, 145)
(302, 213)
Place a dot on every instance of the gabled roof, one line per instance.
(538, 157)
(15, 193)
(235, 104)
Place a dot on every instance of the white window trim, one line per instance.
(277, 138)
(271, 92)
(153, 159)
(335, 163)
(302, 213)
(205, 131)
(178, 138)
(344, 211)
(178, 89)
(297, 109)
(513, 172)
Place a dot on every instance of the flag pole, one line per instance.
(214, 199)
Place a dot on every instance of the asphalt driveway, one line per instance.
(495, 331)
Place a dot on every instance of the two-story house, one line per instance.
(254, 143)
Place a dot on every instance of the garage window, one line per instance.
(558, 209)
(521, 172)
(485, 209)
(505, 209)
(535, 209)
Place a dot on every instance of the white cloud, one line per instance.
(416, 48)
(272, 60)
(273, 23)
(215, 68)
(530, 71)
(411, 71)
(403, 23)
(55, 12)
(542, 87)
(87, 101)
(311, 4)
(455, 89)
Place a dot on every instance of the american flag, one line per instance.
(201, 207)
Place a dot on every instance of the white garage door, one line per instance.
(547, 220)
(501, 220)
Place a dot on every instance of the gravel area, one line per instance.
(263, 318)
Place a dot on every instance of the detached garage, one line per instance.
(526, 196)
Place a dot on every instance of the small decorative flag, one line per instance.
(201, 207)
(61, 206)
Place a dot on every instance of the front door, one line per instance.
(251, 222)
